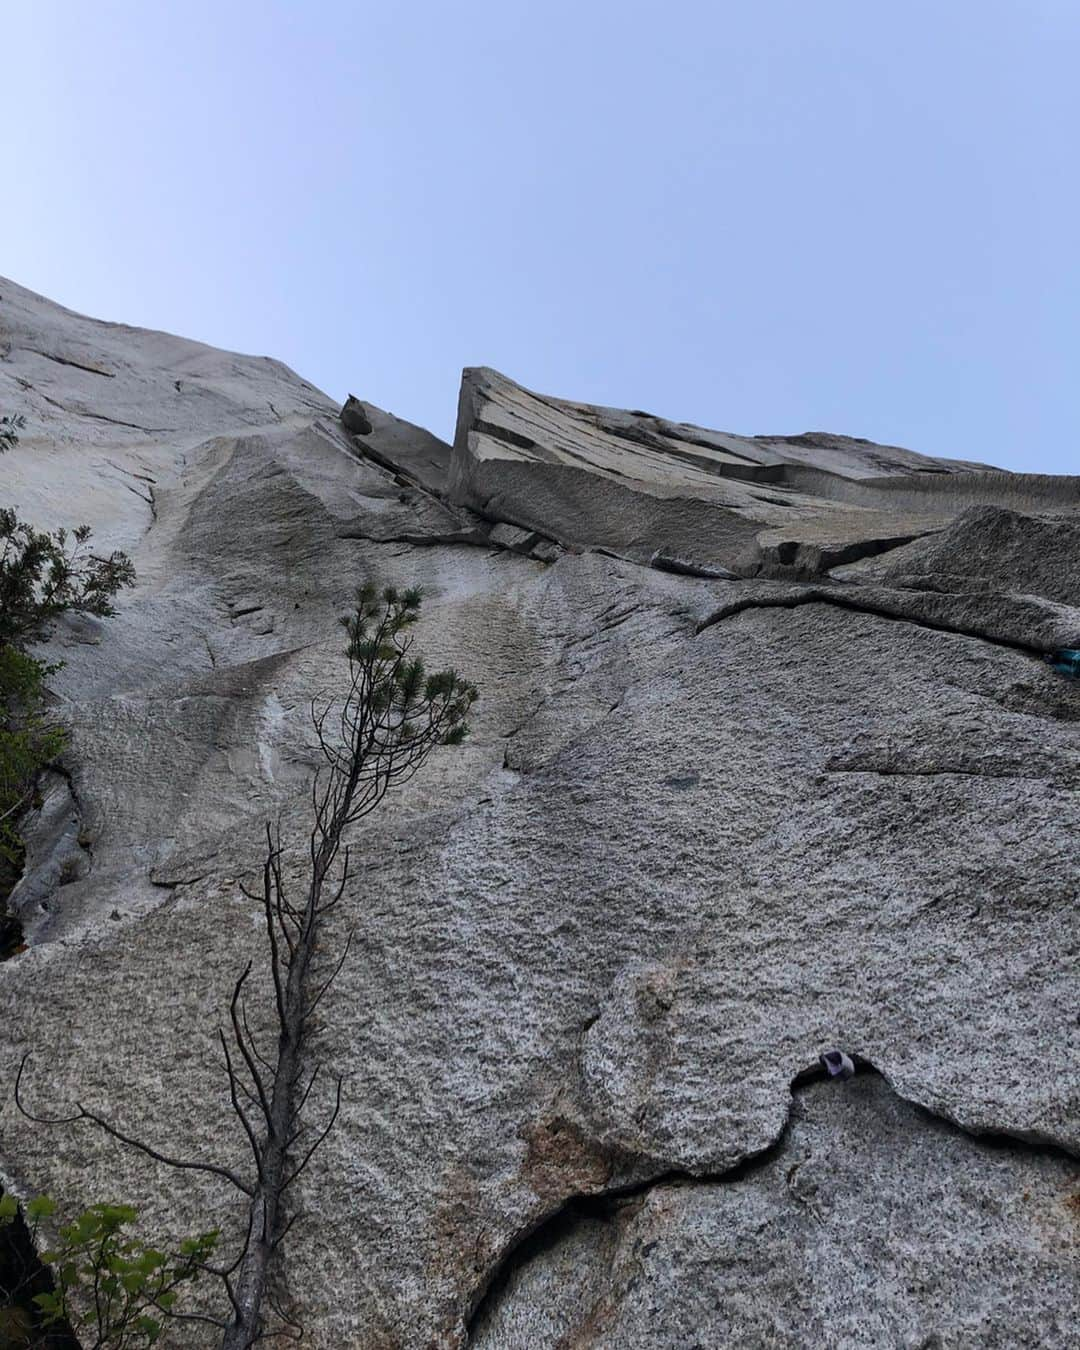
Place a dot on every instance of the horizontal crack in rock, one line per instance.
(845, 600)
(607, 1203)
(69, 361)
(949, 773)
(504, 434)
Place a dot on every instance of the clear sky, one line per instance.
(766, 216)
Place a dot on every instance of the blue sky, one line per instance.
(770, 217)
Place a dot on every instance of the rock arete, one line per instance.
(768, 760)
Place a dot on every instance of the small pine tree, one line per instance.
(10, 427)
(374, 737)
(43, 575)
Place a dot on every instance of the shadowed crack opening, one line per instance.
(606, 1206)
(57, 849)
(22, 1277)
(504, 434)
(841, 599)
(12, 938)
(804, 560)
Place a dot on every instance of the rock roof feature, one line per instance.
(768, 761)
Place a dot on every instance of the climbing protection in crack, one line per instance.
(750, 776)
(857, 1170)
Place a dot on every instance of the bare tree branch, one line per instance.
(241, 1043)
(312, 1150)
(81, 1113)
(390, 718)
(314, 1002)
(240, 1112)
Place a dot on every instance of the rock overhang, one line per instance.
(637, 485)
(733, 796)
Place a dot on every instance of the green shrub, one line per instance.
(112, 1289)
(43, 575)
(9, 431)
(29, 741)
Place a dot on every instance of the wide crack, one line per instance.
(56, 854)
(606, 1205)
(844, 599)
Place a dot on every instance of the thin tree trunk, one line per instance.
(266, 1204)
(391, 717)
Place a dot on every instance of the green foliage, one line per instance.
(43, 575)
(28, 740)
(9, 431)
(409, 704)
(116, 1291)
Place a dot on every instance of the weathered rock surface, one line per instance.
(706, 826)
(987, 549)
(872, 1224)
(637, 485)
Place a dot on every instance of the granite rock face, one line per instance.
(637, 485)
(767, 761)
(871, 1224)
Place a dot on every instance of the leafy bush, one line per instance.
(43, 575)
(9, 431)
(115, 1291)
(112, 1289)
(28, 741)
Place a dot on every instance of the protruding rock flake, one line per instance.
(777, 757)
(708, 503)
(354, 417)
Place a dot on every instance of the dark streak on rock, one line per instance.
(67, 361)
(849, 599)
(504, 434)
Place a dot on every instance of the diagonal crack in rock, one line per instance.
(1048, 625)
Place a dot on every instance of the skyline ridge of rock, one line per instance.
(767, 762)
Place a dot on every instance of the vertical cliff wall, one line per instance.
(768, 760)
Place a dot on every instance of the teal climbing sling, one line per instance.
(1066, 661)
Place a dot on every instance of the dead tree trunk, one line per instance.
(281, 1109)
(391, 718)
(375, 737)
